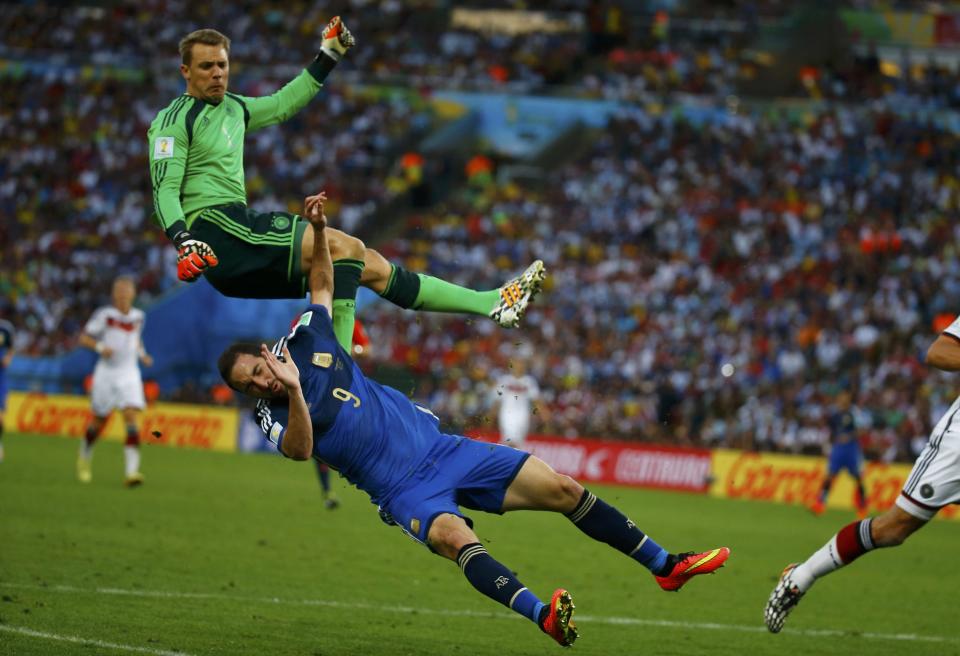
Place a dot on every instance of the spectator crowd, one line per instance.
(710, 283)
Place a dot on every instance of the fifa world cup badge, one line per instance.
(322, 360)
(163, 147)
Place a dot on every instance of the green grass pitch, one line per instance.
(235, 554)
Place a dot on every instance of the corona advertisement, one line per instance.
(170, 424)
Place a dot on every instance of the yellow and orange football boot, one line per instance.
(693, 564)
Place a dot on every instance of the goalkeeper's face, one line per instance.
(207, 73)
(251, 376)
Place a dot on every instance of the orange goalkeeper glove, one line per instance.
(336, 39)
(193, 257)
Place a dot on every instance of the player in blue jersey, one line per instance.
(6, 355)
(315, 402)
(845, 453)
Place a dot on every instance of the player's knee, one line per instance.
(346, 246)
(354, 248)
(448, 534)
(567, 493)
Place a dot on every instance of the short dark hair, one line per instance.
(229, 358)
(207, 37)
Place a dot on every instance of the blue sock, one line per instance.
(605, 523)
(324, 473)
(497, 582)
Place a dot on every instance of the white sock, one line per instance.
(86, 450)
(823, 561)
(131, 457)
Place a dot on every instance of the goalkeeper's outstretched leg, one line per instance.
(505, 305)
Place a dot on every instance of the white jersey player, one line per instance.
(517, 393)
(114, 332)
(933, 484)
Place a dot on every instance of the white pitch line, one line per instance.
(88, 641)
(358, 605)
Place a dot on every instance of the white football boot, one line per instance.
(517, 294)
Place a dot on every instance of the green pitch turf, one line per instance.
(235, 554)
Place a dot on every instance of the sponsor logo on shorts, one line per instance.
(926, 490)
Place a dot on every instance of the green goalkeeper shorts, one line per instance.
(258, 252)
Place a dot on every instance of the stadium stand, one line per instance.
(674, 247)
(677, 248)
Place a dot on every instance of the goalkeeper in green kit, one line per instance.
(196, 169)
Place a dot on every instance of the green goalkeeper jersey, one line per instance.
(196, 148)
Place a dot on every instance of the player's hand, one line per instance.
(146, 360)
(105, 352)
(286, 371)
(336, 39)
(193, 258)
(313, 210)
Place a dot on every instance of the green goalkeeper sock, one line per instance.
(441, 296)
(418, 291)
(346, 281)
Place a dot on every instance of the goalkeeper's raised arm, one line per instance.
(196, 154)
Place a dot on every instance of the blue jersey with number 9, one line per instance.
(373, 434)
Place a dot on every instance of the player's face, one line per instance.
(207, 73)
(251, 376)
(123, 294)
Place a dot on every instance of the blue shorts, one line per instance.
(845, 455)
(457, 472)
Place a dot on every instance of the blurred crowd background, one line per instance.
(768, 215)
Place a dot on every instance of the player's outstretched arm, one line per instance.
(298, 440)
(262, 111)
(321, 265)
(944, 353)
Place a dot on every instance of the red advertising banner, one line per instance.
(947, 30)
(621, 463)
